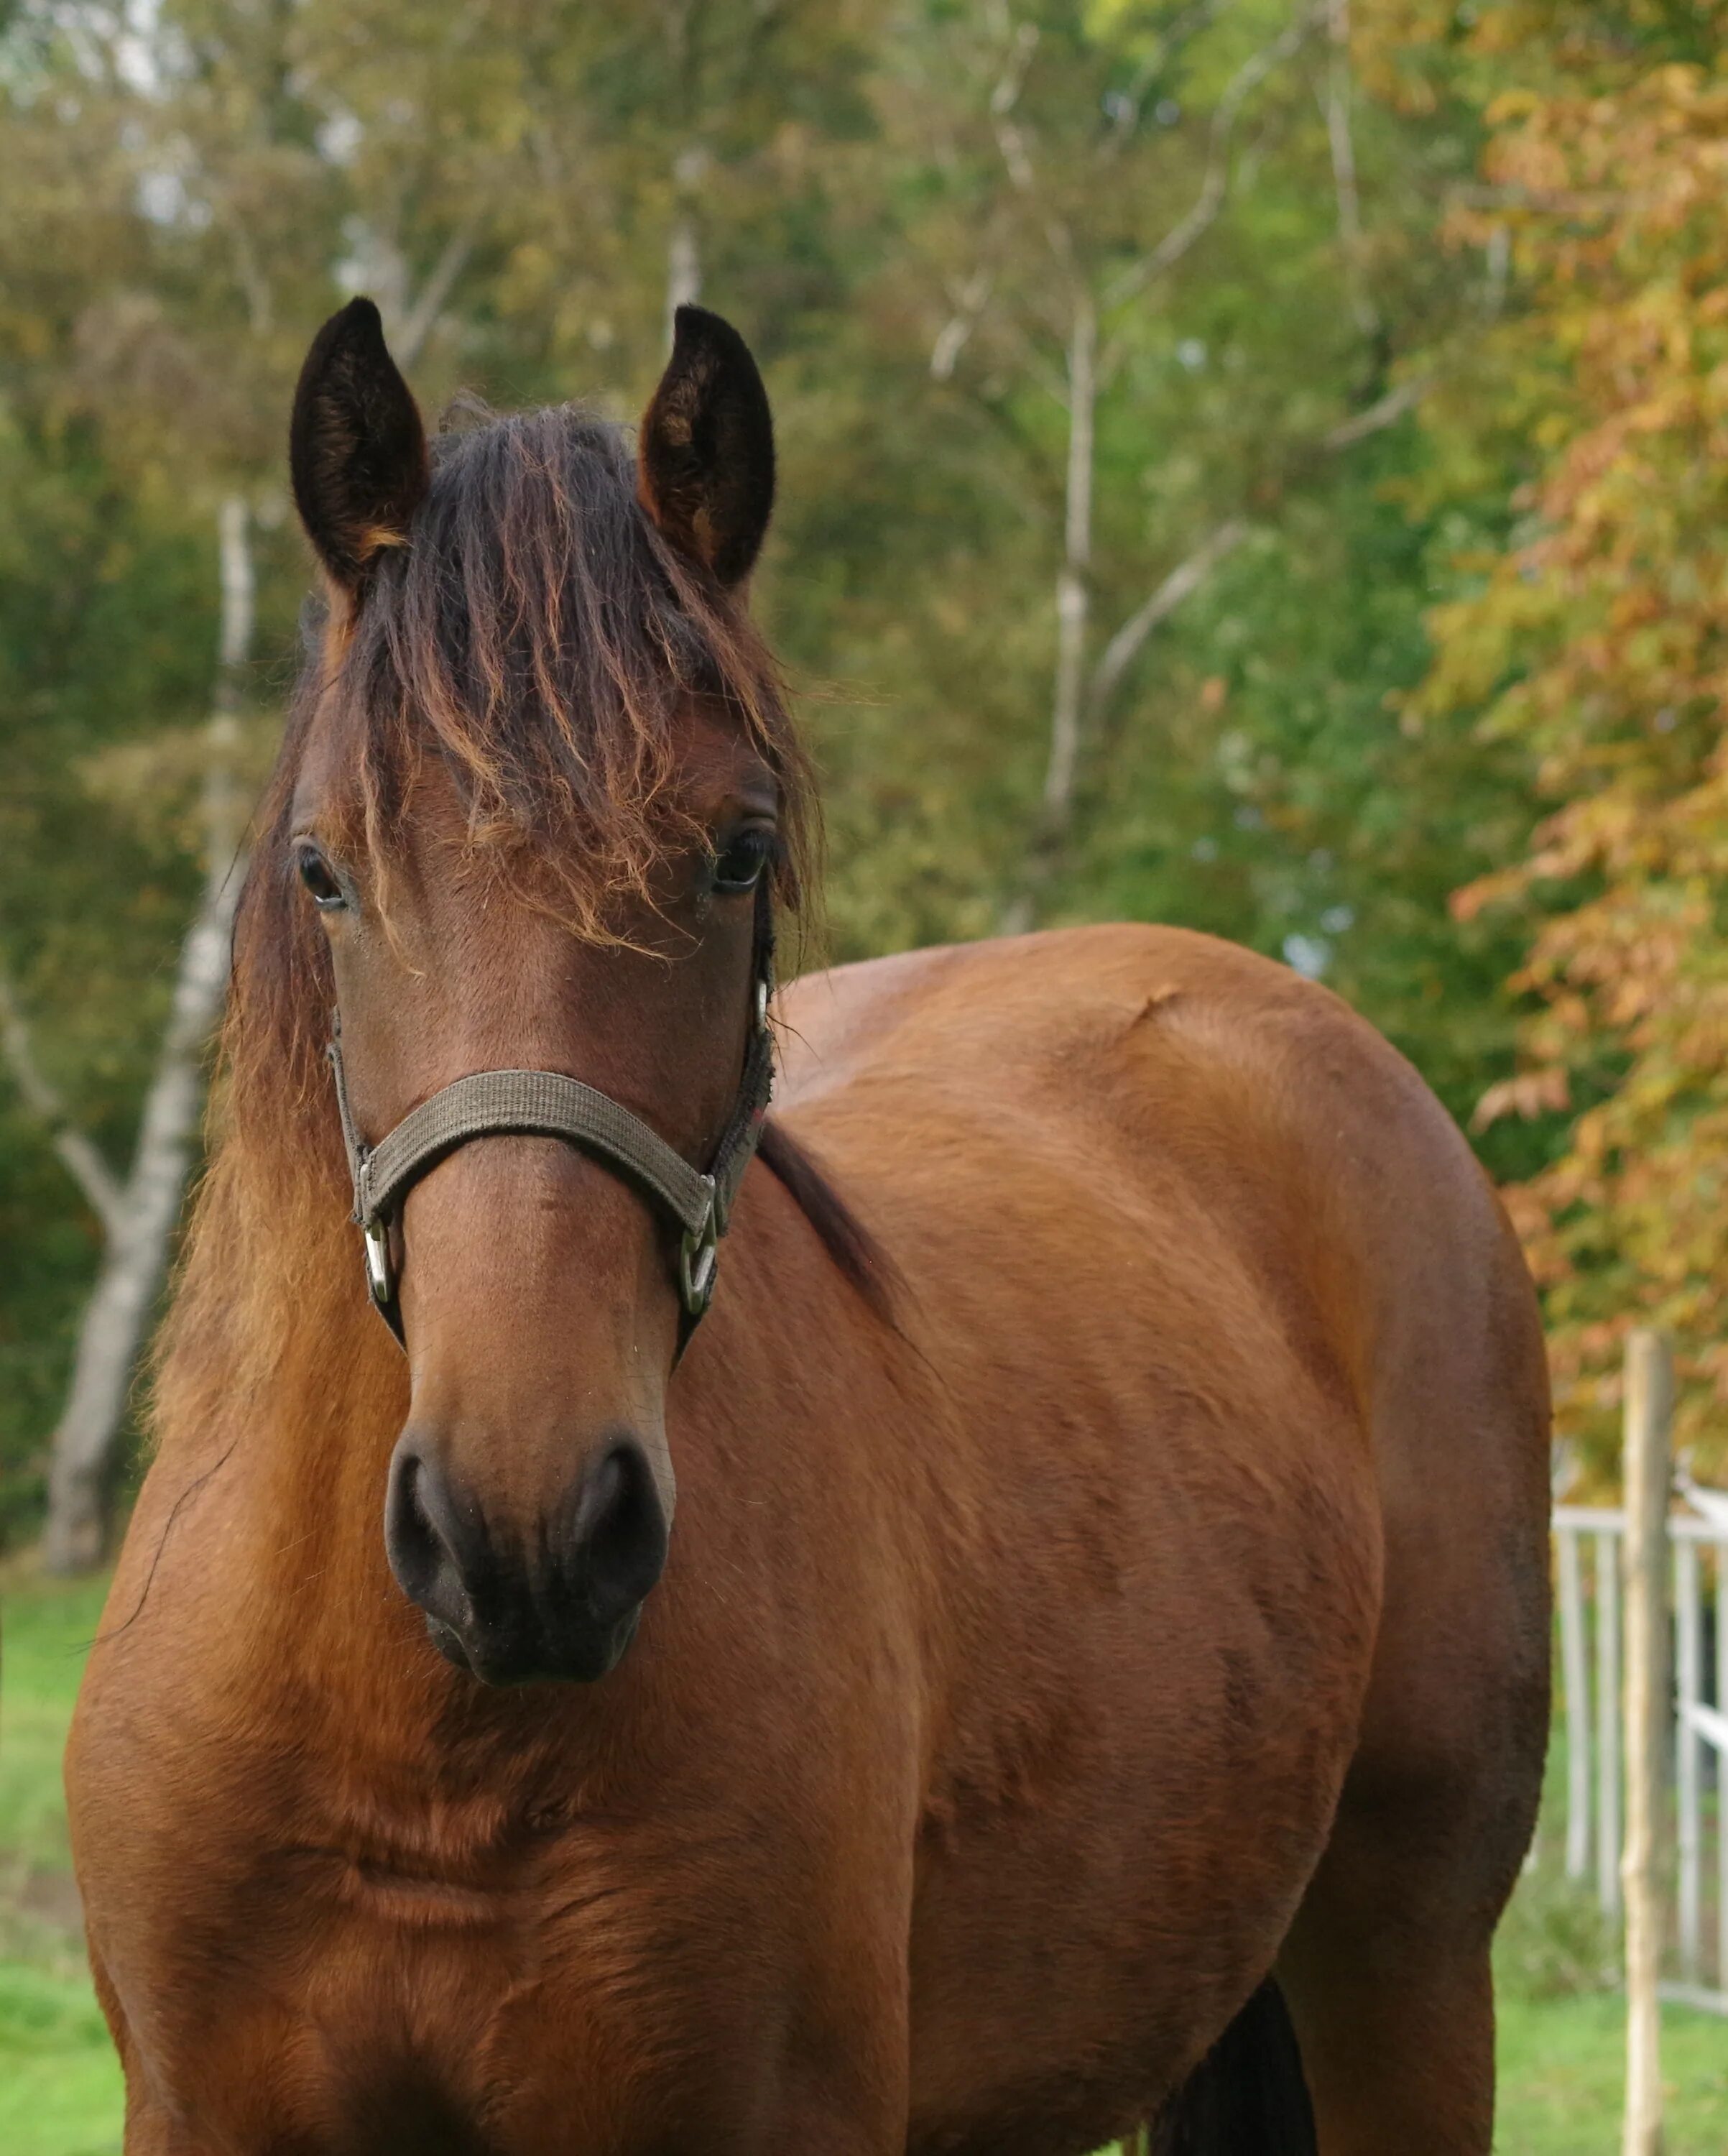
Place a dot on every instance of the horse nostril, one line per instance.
(504, 1615)
(420, 1537)
(618, 1543)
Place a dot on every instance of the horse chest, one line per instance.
(573, 1988)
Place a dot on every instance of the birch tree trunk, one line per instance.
(684, 247)
(1074, 604)
(143, 1220)
(1072, 592)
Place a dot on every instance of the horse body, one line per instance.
(910, 1867)
(1110, 1562)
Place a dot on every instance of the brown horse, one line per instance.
(1110, 1569)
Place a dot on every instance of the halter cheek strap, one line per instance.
(547, 1104)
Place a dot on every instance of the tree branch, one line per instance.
(1073, 594)
(1550, 202)
(1214, 187)
(1344, 178)
(1186, 578)
(1016, 152)
(419, 321)
(1003, 98)
(78, 1154)
(971, 297)
(1119, 654)
(1382, 414)
(1125, 114)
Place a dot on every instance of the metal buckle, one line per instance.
(377, 1263)
(699, 1257)
(761, 1003)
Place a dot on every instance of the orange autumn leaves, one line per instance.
(1598, 640)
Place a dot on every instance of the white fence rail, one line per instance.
(1589, 1554)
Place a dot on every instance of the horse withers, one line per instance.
(1062, 1643)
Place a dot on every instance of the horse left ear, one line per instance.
(705, 459)
(355, 447)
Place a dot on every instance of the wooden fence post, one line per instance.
(1607, 1723)
(1647, 1470)
(1575, 1673)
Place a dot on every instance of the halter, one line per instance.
(546, 1104)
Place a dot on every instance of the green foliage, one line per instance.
(1590, 640)
(1554, 1942)
(106, 628)
(852, 180)
(1267, 786)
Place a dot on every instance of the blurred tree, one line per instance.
(145, 362)
(271, 156)
(1265, 533)
(1106, 536)
(95, 567)
(1110, 185)
(1593, 641)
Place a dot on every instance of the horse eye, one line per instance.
(740, 863)
(316, 874)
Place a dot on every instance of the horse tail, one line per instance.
(1248, 2096)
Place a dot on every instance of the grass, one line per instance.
(60, 2092)
(45, 1629)
(1563, 2077)
(1561, 2043)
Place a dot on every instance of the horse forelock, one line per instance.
(538, 636)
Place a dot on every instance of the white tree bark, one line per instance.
(1187, 577)
(1087, 369)
(1344, 179)
(1073, 590)
(1092, 694)
(142, 1218)
(1074, 608)
(684, 247)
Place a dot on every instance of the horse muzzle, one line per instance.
(561, 1604)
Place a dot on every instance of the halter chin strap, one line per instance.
(546, 1104)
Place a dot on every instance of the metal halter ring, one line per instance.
(699, 1257)
(380, 1274)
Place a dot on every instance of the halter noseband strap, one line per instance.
(546, 1104)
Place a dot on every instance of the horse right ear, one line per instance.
(355, 447)
(705, 453)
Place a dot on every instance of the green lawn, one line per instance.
(59, 2082)
(1561, 2038)
(1561, 2077)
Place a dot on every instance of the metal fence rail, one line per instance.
(1589, 1595)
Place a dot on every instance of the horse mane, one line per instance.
(854, 1249)
(540, 638)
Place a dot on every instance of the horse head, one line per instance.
(542, 798)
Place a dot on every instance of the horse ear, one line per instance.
(705, 459)
(356, 446)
